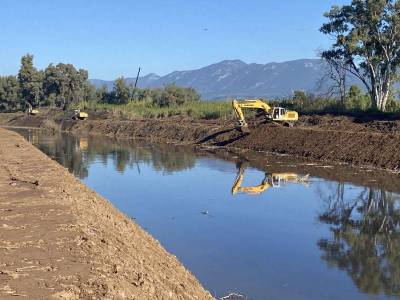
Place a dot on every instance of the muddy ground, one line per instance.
(357, 141)
(60, 240)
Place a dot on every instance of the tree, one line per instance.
(121, 91)
(393, 103)
(299, 98)
(30, 82)
(102, 94)
(9, 93)
(367, 34)
(335, 74)
(174, 95)
(63, 84)
(357, 100)
(89, 92)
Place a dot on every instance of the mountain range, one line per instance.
(237, 79)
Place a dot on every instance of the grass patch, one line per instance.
(195, 109)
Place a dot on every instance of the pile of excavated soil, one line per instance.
(365, 142)
(60, 240)
(362, 148)
(355, 124)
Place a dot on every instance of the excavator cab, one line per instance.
(279, 179)
(278, 113)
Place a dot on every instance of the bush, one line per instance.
(173, 95)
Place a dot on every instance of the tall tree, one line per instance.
(9, 93)
(64, 84)
(121, 91)
(367, 34)
(30, 82)
(335, 76)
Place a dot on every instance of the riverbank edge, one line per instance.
(359, 149)
(119, 260)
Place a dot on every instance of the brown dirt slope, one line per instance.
(60, 240)
(362, 148)
(366, 142)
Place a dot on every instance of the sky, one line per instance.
(114, 38)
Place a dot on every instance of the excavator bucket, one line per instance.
(244, 129)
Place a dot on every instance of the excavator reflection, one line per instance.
(274, 180)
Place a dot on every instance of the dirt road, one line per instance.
(60, 240)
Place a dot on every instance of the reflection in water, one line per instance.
(275, 180)
(77, 153)
(261, 249)
(365, 238)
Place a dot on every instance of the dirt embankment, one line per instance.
(338, 139)
(60, 240)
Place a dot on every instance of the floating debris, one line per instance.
(233, 296)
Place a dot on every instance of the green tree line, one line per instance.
(354, 100)
(57, 85)
(63, 86)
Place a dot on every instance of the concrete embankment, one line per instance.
(61, 240)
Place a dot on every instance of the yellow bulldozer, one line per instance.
(274, 114)
(275, 180)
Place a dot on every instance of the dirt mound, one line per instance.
(344, 123)
(60, 240)
(358, 148)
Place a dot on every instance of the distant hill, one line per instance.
(237, 79)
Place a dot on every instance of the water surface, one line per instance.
(265, 227)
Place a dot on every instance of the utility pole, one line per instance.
(137, 77)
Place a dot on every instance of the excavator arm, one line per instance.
(252, 104)
(238, 188)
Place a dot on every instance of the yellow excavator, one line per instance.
(30, 110)
(33, 112)
(274, 114)
(274, 180)
(78, 114)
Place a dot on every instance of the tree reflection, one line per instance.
(77, 153)
(366, 238)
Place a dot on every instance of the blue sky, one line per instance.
(113, 38)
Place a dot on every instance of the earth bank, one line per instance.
(60, 240)
(356, 141)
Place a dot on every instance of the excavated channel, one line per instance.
(261, 226)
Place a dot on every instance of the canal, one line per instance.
(262, 226)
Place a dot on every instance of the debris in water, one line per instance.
(232, 296)
(206, 213)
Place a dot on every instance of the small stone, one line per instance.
(116, 269)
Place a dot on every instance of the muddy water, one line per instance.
(265, 227)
